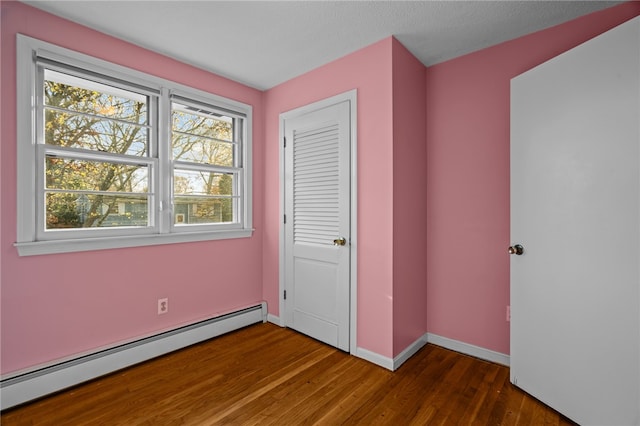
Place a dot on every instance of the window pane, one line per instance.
(97, 134)
(81, 95)
(187, 182)
(201, 150)
(81, 113)
(189, 211)
(66, 210)
(84, 175)
(201, 123)
(213, 203)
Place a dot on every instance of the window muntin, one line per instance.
(120, 127)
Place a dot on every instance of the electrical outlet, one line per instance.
(163, 306)
(508, 313)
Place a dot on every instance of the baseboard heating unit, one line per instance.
(30, 385)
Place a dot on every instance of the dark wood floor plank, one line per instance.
(267, 375)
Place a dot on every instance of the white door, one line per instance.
(575, 188)
(317, 227)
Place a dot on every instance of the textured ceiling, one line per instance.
(264, 43)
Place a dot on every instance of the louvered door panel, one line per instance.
(316, 185)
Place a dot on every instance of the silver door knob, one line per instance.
(517, 250)
(340, 241)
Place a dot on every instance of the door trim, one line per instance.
(350, 96)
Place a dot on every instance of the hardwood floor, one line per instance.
(267, 375)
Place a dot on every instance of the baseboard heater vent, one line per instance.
(34, 384)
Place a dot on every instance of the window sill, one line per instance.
(88, 244)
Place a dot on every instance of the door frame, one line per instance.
(350, 96)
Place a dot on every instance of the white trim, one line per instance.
(395, 363)
(409, 352)
(25, 132)
(37, 382)
(468, 349)
(375, 358)
(352, 97)
(281, 233)
(264, 310)
(85, 244)
(273, 319)
(164, 182)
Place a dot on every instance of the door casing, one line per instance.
(351, 97)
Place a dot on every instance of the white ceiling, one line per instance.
(264, 43)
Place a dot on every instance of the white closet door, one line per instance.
(317, 231)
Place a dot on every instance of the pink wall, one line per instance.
(58, 305)
(468, 177)
(370, 72)
(409, 200)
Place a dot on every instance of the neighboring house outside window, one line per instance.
(110, 157)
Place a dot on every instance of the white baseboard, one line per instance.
(409, 352)
(375, 358)
(21, 388)
(445, 342)
(395, 363)
(274, 320)
(466, 348)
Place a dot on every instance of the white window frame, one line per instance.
(163, 231)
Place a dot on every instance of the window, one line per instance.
(110, 157)
(204, 147)
(95, 164)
